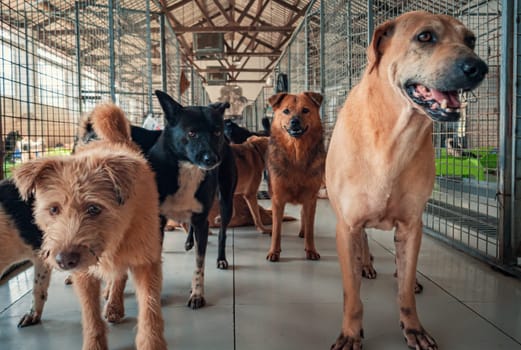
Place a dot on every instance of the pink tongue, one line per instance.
(451, 97)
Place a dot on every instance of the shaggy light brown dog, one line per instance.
(380, 164)
(99, 213)
(296, 157)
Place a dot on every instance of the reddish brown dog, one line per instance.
(296, 157)
(380, 163)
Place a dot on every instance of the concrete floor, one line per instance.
(292, 304)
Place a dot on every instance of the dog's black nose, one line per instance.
(67, 260)
(474, 68)
(209, 159)
(294, 122)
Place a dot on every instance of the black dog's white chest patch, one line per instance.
(180, 205)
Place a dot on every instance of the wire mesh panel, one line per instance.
(38, 83)
(61, 58)
(119, 55)
(338, 47)
(297, 70)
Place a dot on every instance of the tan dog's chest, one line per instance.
(181, 205)
(296, 171)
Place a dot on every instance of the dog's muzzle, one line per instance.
(443, 103)
(208, 161)
(295, 128)
(68, 260)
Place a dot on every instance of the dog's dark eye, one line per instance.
(425, 37)
(471, 42)
(93, 210)
(286, 111)
(54, 210)
(305, 110)
(191, 133)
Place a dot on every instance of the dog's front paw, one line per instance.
(29, 319)
(345, 342)
(196, 301)
(222, 264)
(418, 338)
(114, 312)
(273, 256)
(312, 255)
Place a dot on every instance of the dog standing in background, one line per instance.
(99, 213)
(296, 156)
(380, 164)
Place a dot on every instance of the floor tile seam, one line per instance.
(458, 300)
(233, 291)
(14, 302)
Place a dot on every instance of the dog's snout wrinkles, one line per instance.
(68, 260)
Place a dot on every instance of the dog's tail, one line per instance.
(110, 123)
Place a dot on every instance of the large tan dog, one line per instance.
(296, 157)
(380, 164)
(99, 211)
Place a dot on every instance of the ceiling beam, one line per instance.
(294, 9)
(234, 69)
(177, 5)
(179, 29)
(275, 53)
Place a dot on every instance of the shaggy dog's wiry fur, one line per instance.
(99, 213)
(296, 156)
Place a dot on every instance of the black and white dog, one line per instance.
(20, 240)
(192, 163)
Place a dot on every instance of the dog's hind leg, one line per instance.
(189, 243)
(114, 309)
(150, 324)
(407, 241)
(200, 227)
(227, 182)
(253, 205)
(42, 278)
(94, 329)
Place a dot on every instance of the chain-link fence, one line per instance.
(328, 54)
(60, 58)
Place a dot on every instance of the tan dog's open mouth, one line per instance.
(439, 105)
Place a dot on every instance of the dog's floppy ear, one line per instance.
(27, 175)
(120, 170)
(315, 97)
(275, 100)
(169, 105)
(220, 106)
(375, 48)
